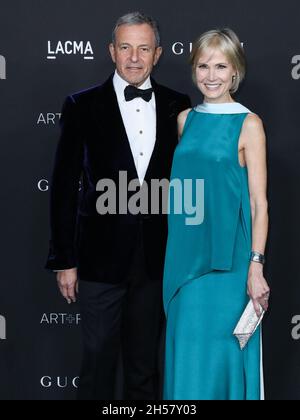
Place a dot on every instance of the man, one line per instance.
(128, 126)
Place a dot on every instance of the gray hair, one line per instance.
(137, 18)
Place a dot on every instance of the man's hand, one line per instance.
(68, 284)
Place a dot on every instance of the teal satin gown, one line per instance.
(206, 267)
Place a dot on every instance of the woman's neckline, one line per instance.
(222, 108)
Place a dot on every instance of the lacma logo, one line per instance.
(2, 328)
(2, 68)
(61, 48)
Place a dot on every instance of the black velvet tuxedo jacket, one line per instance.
(93, 145)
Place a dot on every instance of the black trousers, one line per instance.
(127, 316)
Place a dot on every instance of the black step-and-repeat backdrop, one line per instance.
(49, 49)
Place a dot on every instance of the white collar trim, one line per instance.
(223, 108)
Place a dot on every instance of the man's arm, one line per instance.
(64, 189)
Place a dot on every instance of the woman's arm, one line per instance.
(254, 147)
(181, 119)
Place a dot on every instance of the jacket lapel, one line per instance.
(106, 111)
(108, 119)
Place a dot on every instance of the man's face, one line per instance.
(135, 52)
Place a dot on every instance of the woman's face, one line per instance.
(214, 76)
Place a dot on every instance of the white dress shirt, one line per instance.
(139, 118)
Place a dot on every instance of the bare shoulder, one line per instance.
(181, 120)
(183, 115)
(253, 130)
(253, 122)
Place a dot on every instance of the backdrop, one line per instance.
(49, 49)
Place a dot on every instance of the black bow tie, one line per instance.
(132, 92)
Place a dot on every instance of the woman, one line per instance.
(212, 268)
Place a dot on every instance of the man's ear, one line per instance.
(112, 52)
(158, 53)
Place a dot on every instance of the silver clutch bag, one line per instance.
(247, 324)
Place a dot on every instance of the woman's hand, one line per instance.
(258, 289)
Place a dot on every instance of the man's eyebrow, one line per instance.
(141, 45)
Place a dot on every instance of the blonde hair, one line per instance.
(229, 44)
